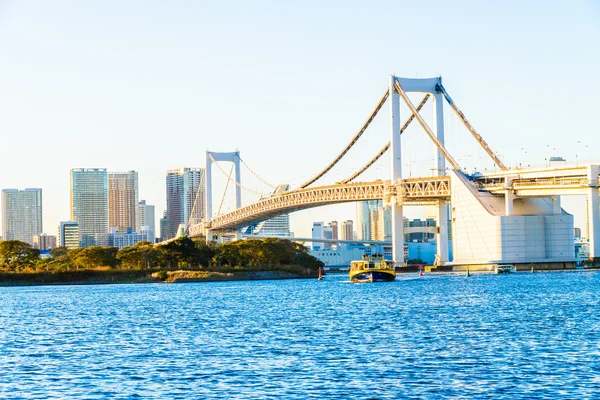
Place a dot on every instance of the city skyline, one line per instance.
(143, 96)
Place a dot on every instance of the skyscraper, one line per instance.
(89, 203)
(363, 218)
(21, 214)
(145, 217)
(334, 229)
(122, 200)
(186, 197)
(348, 230)
(164, 227)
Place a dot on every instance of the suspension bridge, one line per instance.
(511, 216)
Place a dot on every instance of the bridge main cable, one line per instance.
(427, 129)
(352, 142)
(476, 135)
(387, 146)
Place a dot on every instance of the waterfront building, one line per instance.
(348, 230)
(122, 200)
(44, 241)
(145, 217)
(186, 198)
(420, 236)
(89, 203)
(21, 214)
(68, 234)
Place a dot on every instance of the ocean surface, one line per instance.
(524, 335)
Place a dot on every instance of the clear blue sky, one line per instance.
(150, 85)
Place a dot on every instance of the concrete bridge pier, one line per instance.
(593, 212)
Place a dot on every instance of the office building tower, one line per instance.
(122, 200)
(44, 241)
(334, 229)
(68, 234)
(186, 198)
(348, 230)
(21, 214)
(164, 227)
(145, 217)
(363, 217)
(89, 203)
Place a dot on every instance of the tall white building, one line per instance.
(21, 214)
(318, 232)
(122, 200)
(186, 197)
(146, 217)
(363, 218)
(278, 226)
(89, 203)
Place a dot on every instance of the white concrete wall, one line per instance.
(483, 234)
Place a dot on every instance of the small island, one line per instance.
(181, 260)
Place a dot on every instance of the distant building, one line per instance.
(420, 236)
(318, 232)
(334, 229)
(125, 239)
(68, 234)
(577, 232)
(145, 217)
(164, 227)
(89, 203)
(363, 218)
(44, 241)
(21, 214)
(348, 230)
(186, 198)
(122, 200)
(278, 226)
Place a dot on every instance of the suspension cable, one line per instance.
(225, 191)
(423, 124)
(256, 175)
(387, 146)
(234, 181)
(352, 142)
(476, 135)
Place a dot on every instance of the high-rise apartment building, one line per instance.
(21, 214)
(186, 197)
(89, 203)
(44, 241)
(122, 200)
(381, 223)
(145, 218)
(348, 230)
(334, 229)
(278, 226)
(68, 234)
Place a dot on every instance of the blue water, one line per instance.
(439, 336)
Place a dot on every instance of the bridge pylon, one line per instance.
(213, 156)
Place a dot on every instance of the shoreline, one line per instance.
(115, 277)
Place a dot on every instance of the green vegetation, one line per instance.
(20, 261)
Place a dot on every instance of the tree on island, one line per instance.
(16, 255)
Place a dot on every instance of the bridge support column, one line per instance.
(396, 175)
(209, 236)
(509, 196)
(440, 165)
(208, 188)
(556, 205)
(593, 212)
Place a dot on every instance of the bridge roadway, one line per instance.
(541, 182)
